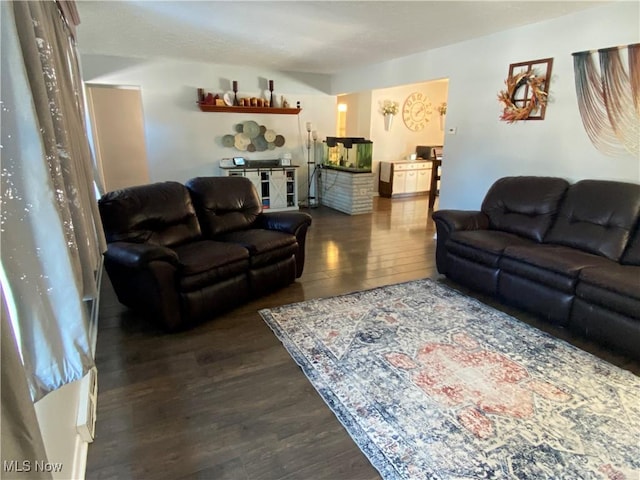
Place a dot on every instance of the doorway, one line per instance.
(399, 143)
(117, 127)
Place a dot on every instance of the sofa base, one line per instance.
(476, 276)
(607, 327)
(272, 277)
(144, 290)
(214, 299)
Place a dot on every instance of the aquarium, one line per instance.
(352, 154)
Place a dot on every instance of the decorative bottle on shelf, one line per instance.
(235, 94)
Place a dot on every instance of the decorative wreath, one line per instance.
(513, 113)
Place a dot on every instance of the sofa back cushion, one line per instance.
(159, 213)
(224, 204)
(525, 206)
(631, 255)
(597, 216)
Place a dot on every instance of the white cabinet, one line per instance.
(277, 189)
(276, 186)
(404, 178)
(411, 182)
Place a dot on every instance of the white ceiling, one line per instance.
(301, 36)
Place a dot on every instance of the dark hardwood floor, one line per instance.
(224, 400)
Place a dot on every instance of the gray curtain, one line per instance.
(21, 438)
(51, 233)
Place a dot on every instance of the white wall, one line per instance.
(485, 148)
(183, 142)
(57, 414)
(118, 135)
(358, 114)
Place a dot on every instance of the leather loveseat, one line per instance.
(567, 253)
(183, 253)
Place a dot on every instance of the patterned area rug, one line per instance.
(432, 384)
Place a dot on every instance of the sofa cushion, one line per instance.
(544, 299)
(553, 265)
(224, 204)
(621, 278)
(620, 332)
(614, 287)
(597, 216)
(525, 206)
(264, 246)
(160, 213)
(205, 262)
(483, 246)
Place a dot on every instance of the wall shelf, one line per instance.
(227, 109)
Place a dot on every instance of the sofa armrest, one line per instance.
(137, 255)
(288, 222)
(449, 221)
(144, 278)
(295, 223)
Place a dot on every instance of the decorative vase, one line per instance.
(388, 120)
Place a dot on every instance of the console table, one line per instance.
(277, 186)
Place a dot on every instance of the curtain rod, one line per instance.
(619, 47)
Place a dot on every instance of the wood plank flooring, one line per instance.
(224, 400)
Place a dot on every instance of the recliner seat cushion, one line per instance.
(620, 332)
(553, 265)
(524, 206)
(616, 287)
(483, 246)
(264, 246)
(206, 262)
(597, 216)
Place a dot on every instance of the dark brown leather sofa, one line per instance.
(567, 253)
(183, 253)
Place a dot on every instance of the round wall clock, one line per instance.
(416, 111)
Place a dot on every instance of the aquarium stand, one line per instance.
(348, 191)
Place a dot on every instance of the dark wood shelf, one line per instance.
(226, 109)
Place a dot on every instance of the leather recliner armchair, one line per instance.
(181, 255)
